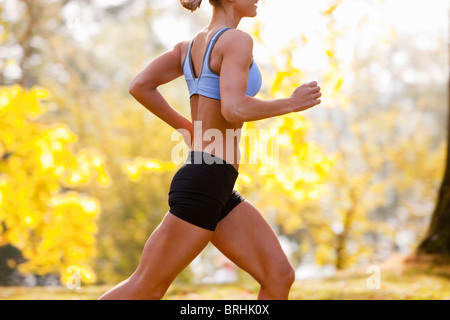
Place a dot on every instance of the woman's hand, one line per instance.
(306, 96)
(188, 135)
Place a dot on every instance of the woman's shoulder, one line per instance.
(181, 48)
(238, 36)
(235, 39)
(182, 45)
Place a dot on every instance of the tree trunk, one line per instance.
(437, 240)
(341, 256)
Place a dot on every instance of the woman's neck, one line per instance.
(224, 17)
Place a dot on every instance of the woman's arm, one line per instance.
(143, 88)
(236, 105)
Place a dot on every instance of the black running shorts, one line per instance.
(201, 191)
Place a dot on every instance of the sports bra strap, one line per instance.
(211, 44)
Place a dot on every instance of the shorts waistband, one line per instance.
(200, 157)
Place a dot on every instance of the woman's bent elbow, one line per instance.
(134, 88)
(138, 88)
(230, 114)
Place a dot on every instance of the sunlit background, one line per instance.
(85, 170)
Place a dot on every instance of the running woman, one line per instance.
(222, 79)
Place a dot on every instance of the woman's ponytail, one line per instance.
(195, 4)
(191, 4)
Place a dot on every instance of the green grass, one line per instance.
(397, 282)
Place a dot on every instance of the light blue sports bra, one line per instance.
(208, 84)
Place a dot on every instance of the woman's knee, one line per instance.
(283, 275)
(287, 275)
(146, 289)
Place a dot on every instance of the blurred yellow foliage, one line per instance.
(289, 179)
(136, 166)
(52, 226)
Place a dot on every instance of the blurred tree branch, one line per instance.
(24, 40)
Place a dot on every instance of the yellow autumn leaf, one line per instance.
(245, 178)
(132, 170)
(338, 85)
(333, 7)
(152, 165)
(89, 205)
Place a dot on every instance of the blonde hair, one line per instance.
(195, 4)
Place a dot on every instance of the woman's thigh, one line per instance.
(170, 249)
(247, 239)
